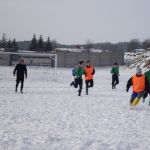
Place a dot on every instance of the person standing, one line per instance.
(20, 71)
(115, 75)
(89, 71)
(139, 85)
(78, 77)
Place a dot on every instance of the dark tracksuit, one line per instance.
(115, 74)
(21, 71)
(78, 79)
(134, 94)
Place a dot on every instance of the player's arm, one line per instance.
(25, 71)
(129, 83)
(15, 69)
(93, 71)
(112, 70)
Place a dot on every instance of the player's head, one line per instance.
(80, 63)
(88, 62)
(115, 64)
(138, 71)
(21, 61)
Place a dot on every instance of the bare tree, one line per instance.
(133, 44)
(88, 45)
(146, 44)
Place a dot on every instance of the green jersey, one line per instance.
(79, 72)
(115, 70)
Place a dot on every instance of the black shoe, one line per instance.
(16, 90)
(21, 91)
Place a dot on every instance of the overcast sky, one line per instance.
(76, 21)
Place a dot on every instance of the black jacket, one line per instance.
(21, 71)
(129, 83)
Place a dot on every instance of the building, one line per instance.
(70, 57)
(67, 58)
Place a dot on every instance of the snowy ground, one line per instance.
(50, 116)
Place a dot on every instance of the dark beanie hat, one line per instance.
(81, 62)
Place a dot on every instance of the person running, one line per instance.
(89, 71)
(115, 75)
(20, 70)
(78, 77)
(73, 74)
(147, 75)
(139, 85)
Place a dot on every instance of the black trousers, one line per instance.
(115, 80)
(78, 82)
(89, 83)
(146, 93)
(17, 83)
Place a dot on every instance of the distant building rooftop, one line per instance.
(78, 50)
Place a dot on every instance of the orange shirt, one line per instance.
(89, 72)
(138, 83)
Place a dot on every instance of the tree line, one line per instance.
(136, 44)
(39, 45)
(124, 46)
(8, 45)
(35, 44)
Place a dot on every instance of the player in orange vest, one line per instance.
(89, 71)
(139, 85)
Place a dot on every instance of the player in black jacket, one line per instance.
(20, 70)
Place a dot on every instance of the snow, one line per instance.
(50, 116)
(80, 50)
(141, 59)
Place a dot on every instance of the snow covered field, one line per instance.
(50, 116)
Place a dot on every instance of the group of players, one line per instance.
(78, 72)
(140, 82)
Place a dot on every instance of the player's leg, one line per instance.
(22, 83)
(17, 83)
(113, 81)
(76, 82)
(91, 83)
(137, 99)
(80, 86)
(133, 96)
(117, 80)
(87, 84)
